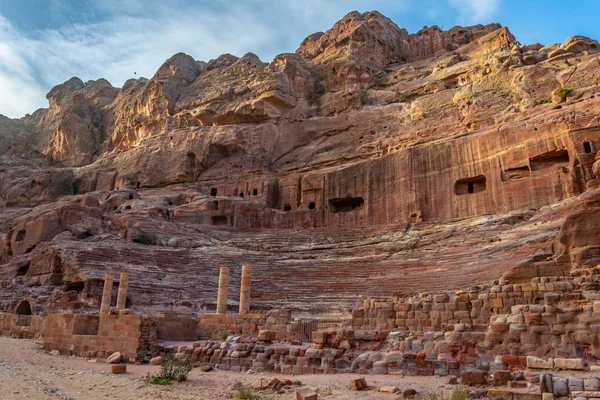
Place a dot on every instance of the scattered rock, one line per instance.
(359, 384)
(114, 358)
(118, 369)
(306, 394)
(389, 389)
(156, 360)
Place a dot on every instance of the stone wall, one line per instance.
(22, 326)
(115, 333)
(176, 328)
(213, 325)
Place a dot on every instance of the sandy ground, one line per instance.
(27, 372)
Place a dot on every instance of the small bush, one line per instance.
(244, 393)
(458, 393)
(563, 92)
(543, 101)
(449, 47)
(404, 57)
(222, 336)
(171, 369)
(130, 178)
(158, 381)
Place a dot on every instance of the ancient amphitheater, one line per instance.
(422, 203)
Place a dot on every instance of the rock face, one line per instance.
(369, 161)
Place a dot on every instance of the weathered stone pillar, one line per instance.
(123, 285)
(106, 295)
(223, 290)
(245, 289)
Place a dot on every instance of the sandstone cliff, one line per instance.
(369, 161)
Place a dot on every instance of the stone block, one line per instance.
(359, 384)
(306, 394)
(501, 377)
(266, 335)
(389, 389)
(591, 384)
(569, 363)
(473, 377)
(575, 385)
(560, 387)
(499, 394)
(539, 363)
(118, 369)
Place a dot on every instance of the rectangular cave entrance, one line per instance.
(549, 159)
(346, 204)
(470, 185)
(219, 220)
(587, 147)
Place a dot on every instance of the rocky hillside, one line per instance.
(368, 162)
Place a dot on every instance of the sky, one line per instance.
(45, 42)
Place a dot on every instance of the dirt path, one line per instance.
(27, 372)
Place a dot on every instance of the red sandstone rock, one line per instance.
(306, 394)
(473, 377)
(118, 369)
(430, 158)
(359, 384)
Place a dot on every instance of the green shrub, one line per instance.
(543, 101)
(449, 47)
(244, 393)
(563, 92)
(130, 178)
(171, 369)
(157, 380)
(223, 335)
(460, 393)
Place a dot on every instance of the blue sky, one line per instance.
(45, 42)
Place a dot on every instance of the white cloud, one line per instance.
(128, 36)
(476, 11)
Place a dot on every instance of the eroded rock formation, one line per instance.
(370, 162)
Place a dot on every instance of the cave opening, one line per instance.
(219, 220)
(587, 147)
(312, 205)
(22, 271)
(287, 207)
(254, 192)
(213, 191)
(20, 235)
(470, 185)
(76, 286)
(24, 308)
(549, 159)
(346, 204)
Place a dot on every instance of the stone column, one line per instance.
(245, 289)
(106, 295)
(123, 285)
(223, 290)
